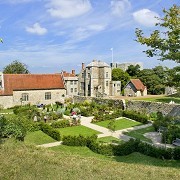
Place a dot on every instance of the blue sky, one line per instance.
(54, 35)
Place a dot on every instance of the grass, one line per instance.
(6, 110)
(38, 137)
(20, 161)
(109, 139)
(120, 124)
(77, 130)
(164, 99)
(139, 134)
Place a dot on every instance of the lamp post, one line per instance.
(112, 55)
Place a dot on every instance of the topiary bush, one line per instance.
(46, 128)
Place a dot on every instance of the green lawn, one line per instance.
(109, 139)
(21, 161)
(77, 130)
(120, 124)
(77, 150)
(164, 99)
(139, 133)
(38, 137)
(6, 111)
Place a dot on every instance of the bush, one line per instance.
(143, 118)
(78, 140)
(46, 128)
(60, 124)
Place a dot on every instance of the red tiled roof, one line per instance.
(31, 82)
(138, 84)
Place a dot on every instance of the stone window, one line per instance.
(75, 82)
(71, 90)
(114, 85)
(107, 83)
(75, 90)
(106, 74)
(25, 97)
(89, 75)
(47, 95)
(71, 82)
(118, 84)
(82, 75)
(0, 83)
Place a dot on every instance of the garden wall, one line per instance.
(140, 106)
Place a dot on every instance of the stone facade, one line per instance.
(139, 106)
(33, 97)
(71, 83)
(95, 80)
(135, 88)
(124, 66)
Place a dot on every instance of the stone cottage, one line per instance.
(17, 89)
(95, 80)
(71, 83)
(135, 88)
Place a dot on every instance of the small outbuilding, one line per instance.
(135, 88)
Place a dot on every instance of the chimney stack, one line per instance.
(83, 66)
(73, 72)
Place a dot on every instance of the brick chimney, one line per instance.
(83, 66)
(73, 72)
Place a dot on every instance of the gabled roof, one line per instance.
(14, 82)
(138, 84)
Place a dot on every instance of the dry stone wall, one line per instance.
(140, 106)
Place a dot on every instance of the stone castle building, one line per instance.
(95, 80)
(124, 66)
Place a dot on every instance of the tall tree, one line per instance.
(164, 44)
(133, 71)
(119, 75)
(16, 67)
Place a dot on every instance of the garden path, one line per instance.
(86, 121)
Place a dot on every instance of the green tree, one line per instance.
(119, 75)
(133, 70)
(16, 67)
(152, 81)
(164, 44)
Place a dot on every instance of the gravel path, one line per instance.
(86, 121)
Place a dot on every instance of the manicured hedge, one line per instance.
(46, 128)
(60, 124)
(122, 149)
(143, 118)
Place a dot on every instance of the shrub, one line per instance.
(46, 128)
(60, 124)
(143, 118)
(78, 140)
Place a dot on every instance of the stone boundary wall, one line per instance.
(140, 106)
(111, 102)
(150, 107)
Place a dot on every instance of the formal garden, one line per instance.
(27, 124)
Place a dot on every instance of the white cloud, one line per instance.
(146, 17)
(36, 29)
(68, 8)
(119, 7)
(82, 33)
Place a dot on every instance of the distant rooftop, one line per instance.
(96, 63)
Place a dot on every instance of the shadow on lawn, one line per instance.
(137, 158)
